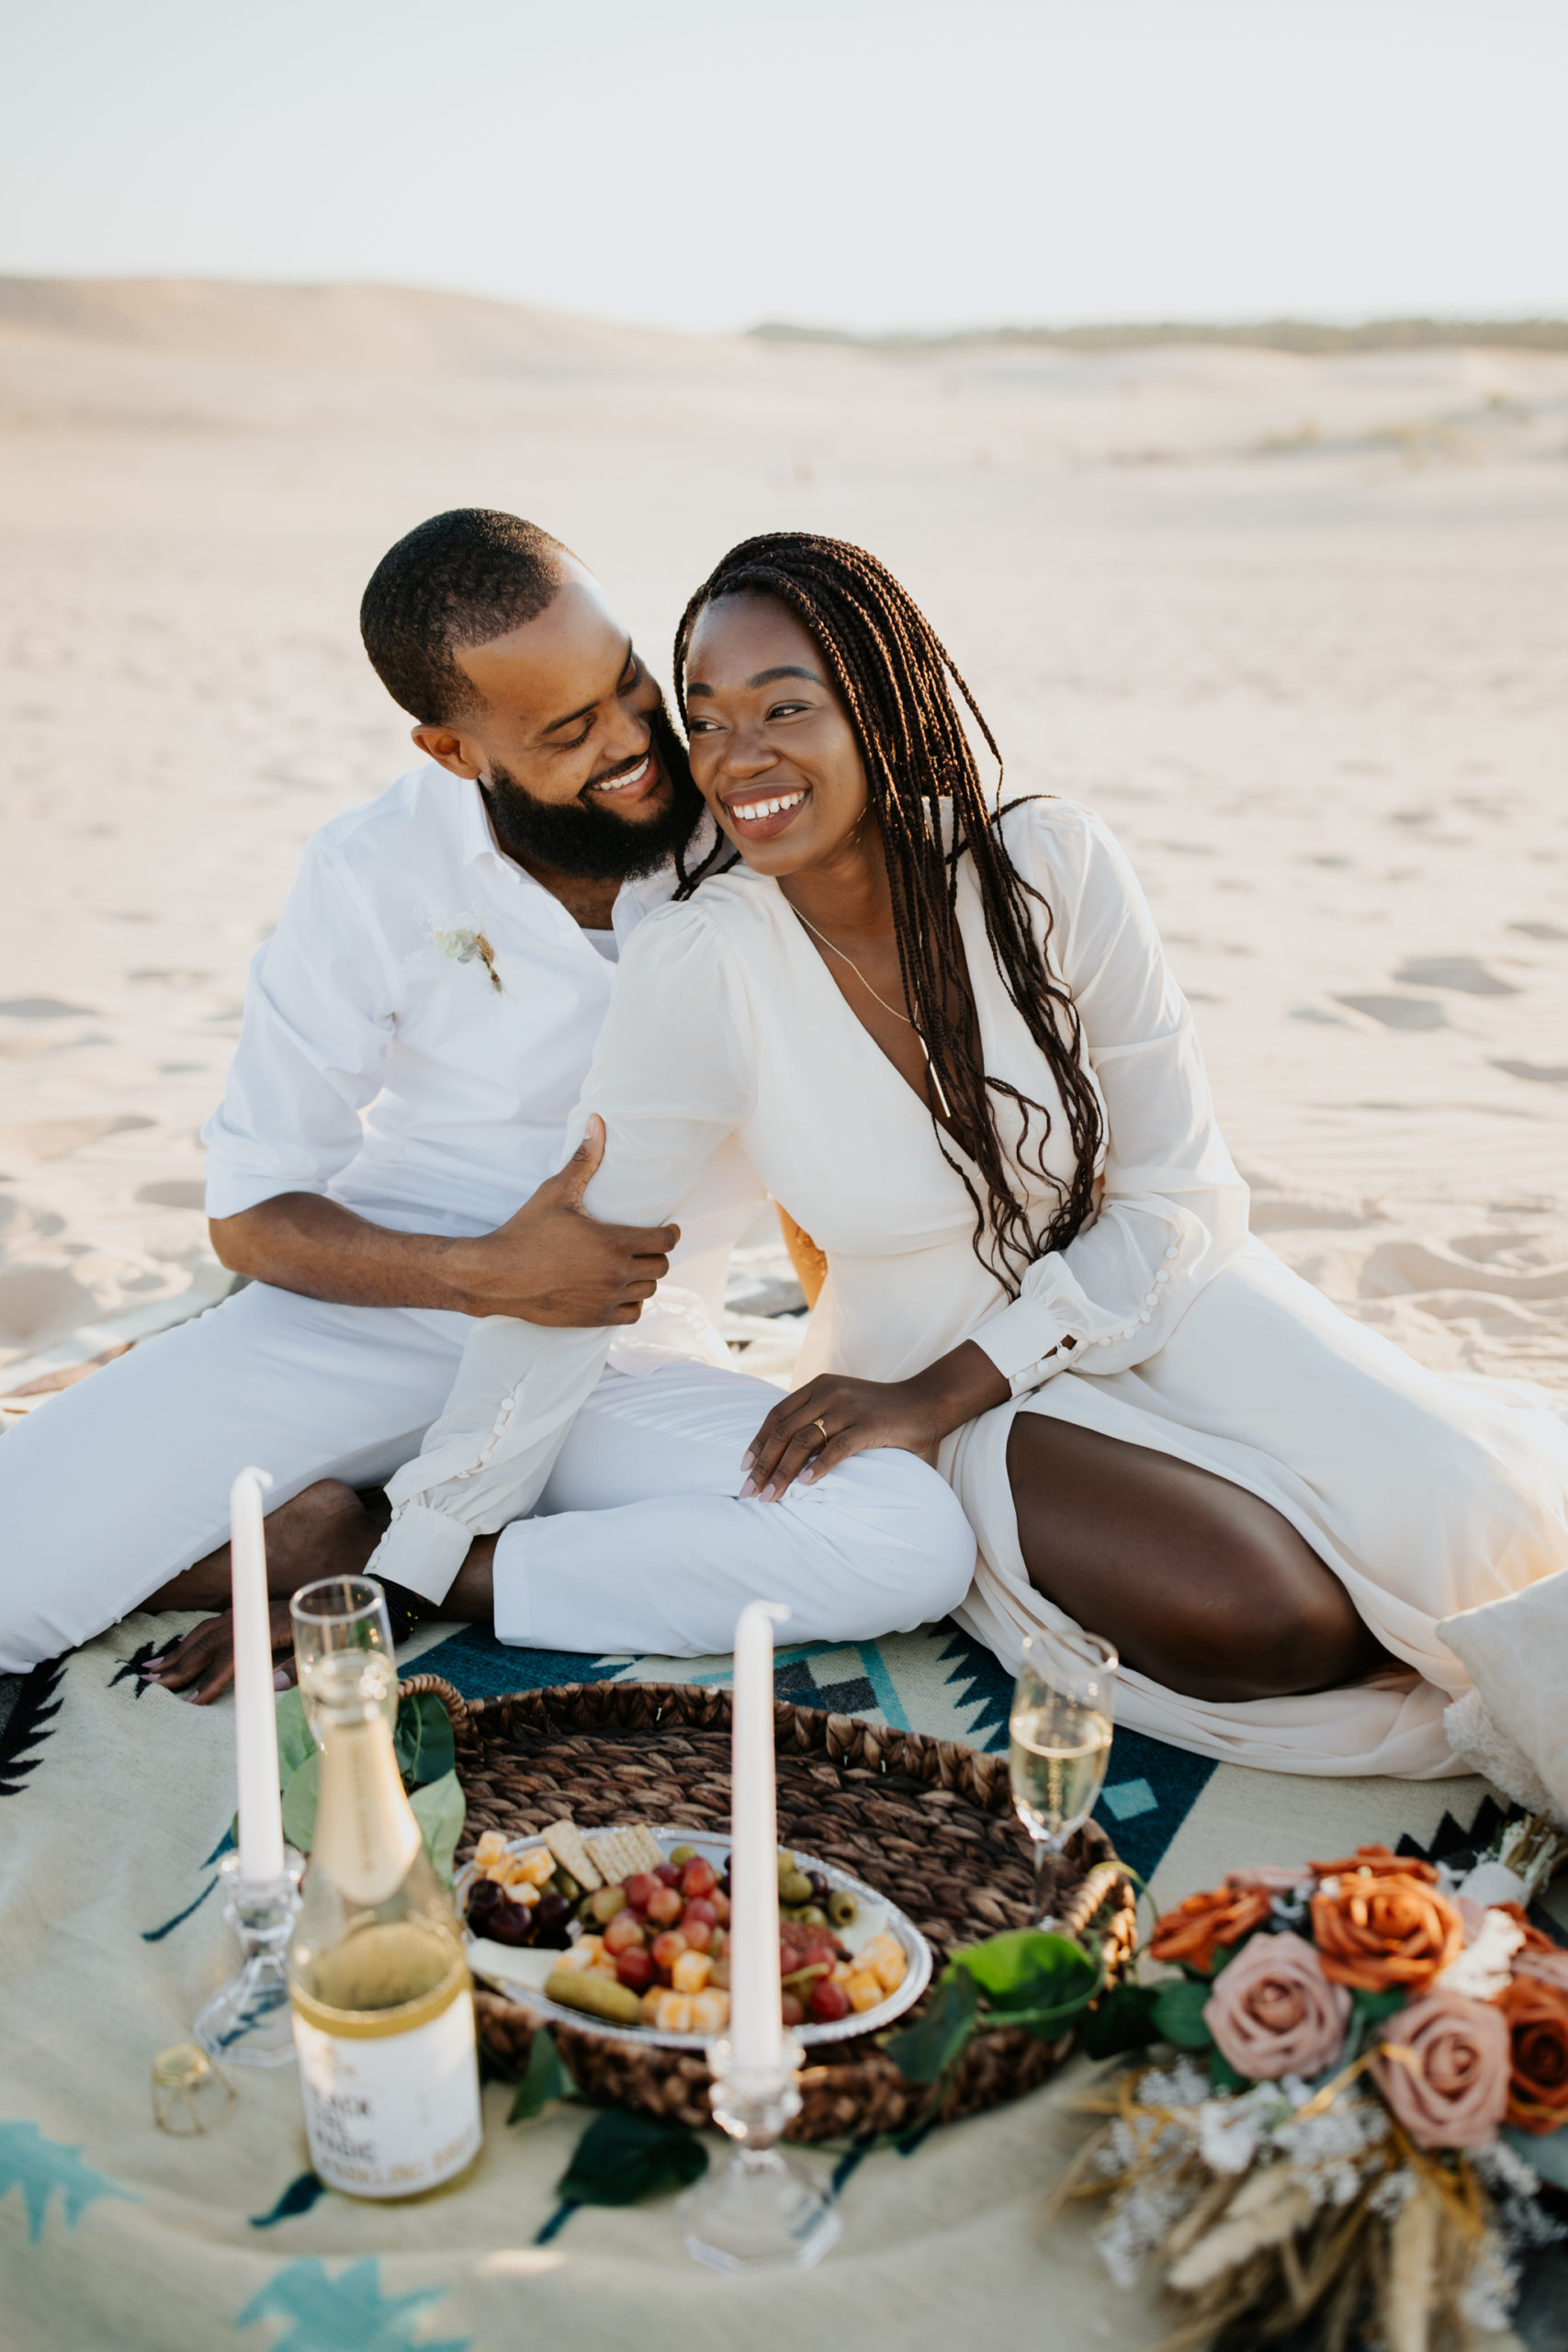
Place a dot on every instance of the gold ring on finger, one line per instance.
(820, 1424)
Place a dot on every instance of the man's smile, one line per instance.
(632, 784)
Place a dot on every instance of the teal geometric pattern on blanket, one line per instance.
(348, 2313)
(41, 2168)
(937, 1679)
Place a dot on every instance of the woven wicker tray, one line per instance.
(928, 1822)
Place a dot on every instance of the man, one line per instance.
(416, 1033)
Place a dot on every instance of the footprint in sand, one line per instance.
(1398, 1012)
(1466, 973)
(1543, 1073)
(42, 1008)
(174, 1193)
(35, 1300)
(1550, 930)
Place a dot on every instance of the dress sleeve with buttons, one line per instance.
(1174, 1209)
(673, 1076)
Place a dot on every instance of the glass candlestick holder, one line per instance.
(247, 2022)
(760, 2208)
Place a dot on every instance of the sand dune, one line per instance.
(1292, 623)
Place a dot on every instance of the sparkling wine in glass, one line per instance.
(1060, 1729)
(335, 1622)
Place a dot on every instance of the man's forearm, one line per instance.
(302, 1241)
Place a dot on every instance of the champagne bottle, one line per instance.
(382, 2000)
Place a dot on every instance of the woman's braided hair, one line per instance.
(893, 674)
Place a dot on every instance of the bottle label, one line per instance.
(388, 2114)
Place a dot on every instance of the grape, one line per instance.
(509, 1923)
(792, 2011)
(551, 1915)
(828, 2002)
(666, 1906)
(626, 1932)
(819, 1889)
(667, 1948)
(668, 1873)
(698, 1877)
(700, 1907)
(641, 1887)
(699, 1933)
(635, 1968)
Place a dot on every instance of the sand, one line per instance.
(1293, 625)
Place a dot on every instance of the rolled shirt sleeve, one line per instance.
(673, 1076)
(1173, 1213)
(320, 1009)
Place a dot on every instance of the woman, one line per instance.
(949, 1042)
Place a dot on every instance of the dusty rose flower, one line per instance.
(1384, 1929)
(1198, 1928)
(1274, 1878)
(1274, 2012)
(1447, 2079)
(1536, 2014)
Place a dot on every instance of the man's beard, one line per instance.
(588, 838)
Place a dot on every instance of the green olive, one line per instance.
(683, 1853)
(795, 1888)
(562, 1882)
(811, 1914)
(843, 1908)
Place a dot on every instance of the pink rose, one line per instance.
(1274, 2012)
(1448, 2081)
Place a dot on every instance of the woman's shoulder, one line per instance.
(1057, 841)
(725, 911)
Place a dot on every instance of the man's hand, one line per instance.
(553, 1263)
(833, 1417)
(550, 1263)
(206, 1656)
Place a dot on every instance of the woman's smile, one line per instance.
(762, 814)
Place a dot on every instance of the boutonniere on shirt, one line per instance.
(464, 946)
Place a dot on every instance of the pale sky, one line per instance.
(706, 163)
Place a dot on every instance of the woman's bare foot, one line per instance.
(324, 1532)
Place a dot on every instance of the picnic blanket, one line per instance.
(115, 1802)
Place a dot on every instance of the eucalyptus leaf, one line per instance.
(1124, 2020)
(1028, 1968)
(923, 2051)
(424, 1744)
(300, 1792)
(1178, 2014)
(294, 1739)
(544, 2079)
(439, 1807)
(623, 2157)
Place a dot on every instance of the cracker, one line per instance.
(621, 1853)
(565, 1841)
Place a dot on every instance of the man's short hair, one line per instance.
(460, 580)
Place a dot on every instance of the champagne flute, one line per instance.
(1060, 1729)
(336, 1621)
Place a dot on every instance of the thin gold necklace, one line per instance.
(882, 1000)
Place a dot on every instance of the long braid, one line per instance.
(895, 679)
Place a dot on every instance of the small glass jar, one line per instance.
(190, 2095)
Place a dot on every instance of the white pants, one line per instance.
(640, 1544)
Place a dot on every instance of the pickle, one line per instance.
(579, 1988)
(843, 1908)
(795, 1888)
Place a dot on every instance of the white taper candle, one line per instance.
(756, 2031)
(255, 1705)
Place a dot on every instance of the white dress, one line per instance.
(1425, 1496)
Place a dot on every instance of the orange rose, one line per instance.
(1536, 2016)
(1198, 1928)
(1379, 1862)
(1380, 1930)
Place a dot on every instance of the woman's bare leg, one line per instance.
(1200, 1586)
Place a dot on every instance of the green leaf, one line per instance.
(1370, 2008)
(300, 1792)
(294, 1740)
(924, 2050)
(544, 2079)
(1222, 2075)
(424, 1744)
(439, 1807)
(1124, 2020)
(1178, 2014)
(1028, 1969)
(623, 2157)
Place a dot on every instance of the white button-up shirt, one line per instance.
(383, 1061)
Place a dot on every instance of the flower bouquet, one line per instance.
(1370, 2087)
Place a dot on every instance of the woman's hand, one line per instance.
(833, 1417)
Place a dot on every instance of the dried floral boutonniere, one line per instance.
(464, 946)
